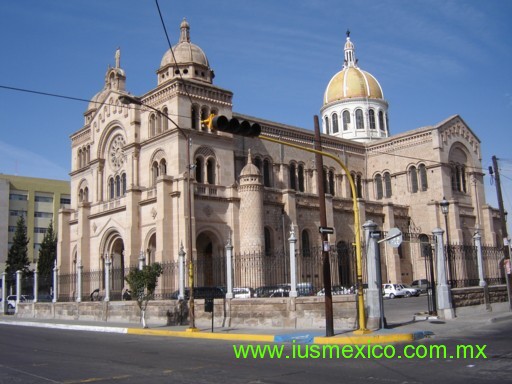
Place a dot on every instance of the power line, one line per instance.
(172, 51)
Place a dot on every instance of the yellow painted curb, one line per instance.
(203, 335)
(366, 339)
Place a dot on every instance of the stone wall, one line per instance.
(300, 312)
(471, 296)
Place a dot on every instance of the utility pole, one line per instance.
(326, 266)
(506, 245)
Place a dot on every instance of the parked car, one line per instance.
(201, 293)
(11, 300)
(243, 293)
(336, 290)
(305, 289)
(268, 290)
(422, 284)
(392, 290)
(409, 291)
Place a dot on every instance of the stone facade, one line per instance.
(147, 178)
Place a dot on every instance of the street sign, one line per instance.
(394, 237)
(328, 230)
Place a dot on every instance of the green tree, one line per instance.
(17, 258)
(142, 284)
(47, 257)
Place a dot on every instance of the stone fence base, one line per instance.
(469, 299)
(300, 312)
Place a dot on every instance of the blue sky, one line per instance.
(432, 58)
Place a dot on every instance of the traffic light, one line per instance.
(233, 126)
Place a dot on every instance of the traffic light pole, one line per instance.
(357, 229)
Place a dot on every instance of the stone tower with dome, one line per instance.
(252, 237)
(354, 106)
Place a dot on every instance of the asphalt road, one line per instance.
(35, 355)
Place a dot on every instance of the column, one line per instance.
(373, 292)
(444, 297)
(55, 283)
(181, 261)
(79, 268)
(293, 265)
(18, 289)
(142, 260)
(108, 263)
(481, 269)
(229, 269)
(4, 291)
(36, 283)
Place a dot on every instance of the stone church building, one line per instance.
(133, 165)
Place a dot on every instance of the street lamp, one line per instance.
(127, 100)
(445, 208)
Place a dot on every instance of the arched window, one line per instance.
(267, 171)
(210, 171)
(257, 162)
(387, 184)
(381, 121)
(81, 196)
(306, 247)
(204, 116)
(152, 125)
(346, 120)
(331, 183)
(79, 158)
(300, 176)
(358, 184)
(423, 177)
(268, 242)
(154, 172)
(459, 178)
(193, 116)
(293, 184)
(371, 115)
(123, 182)
(118, 186)
(326, 124)
(199, 169)
(111, 187)
(413, 179)
(163, 167)
(334, 123)
(165, 120)
(359, 119)
(378, 187)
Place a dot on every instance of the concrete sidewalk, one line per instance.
(395, 333)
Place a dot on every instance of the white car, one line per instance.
(410, 291)
(392, 290)
(243, 293)
(11, 301)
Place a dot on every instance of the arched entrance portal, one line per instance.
(150, 251)
(210, 263)
(114, 249)
(344, 264)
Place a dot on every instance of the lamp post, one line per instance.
(127, 100)
(445, 208)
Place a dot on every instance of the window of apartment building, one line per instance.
(17, 196)
(43, 199)
(46, 215)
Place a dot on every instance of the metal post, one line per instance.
(108, 263)
(142, 260)
(4, 292)
(181, 267)
(481, 269)
(79, 268)
(55, 283)
(36, 283)
(18, 289)
(293, 265)
(229, 270)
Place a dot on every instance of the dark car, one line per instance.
(202, 293)
(280, 290)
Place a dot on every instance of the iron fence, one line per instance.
(462, 265)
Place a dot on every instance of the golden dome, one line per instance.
(350, 83)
